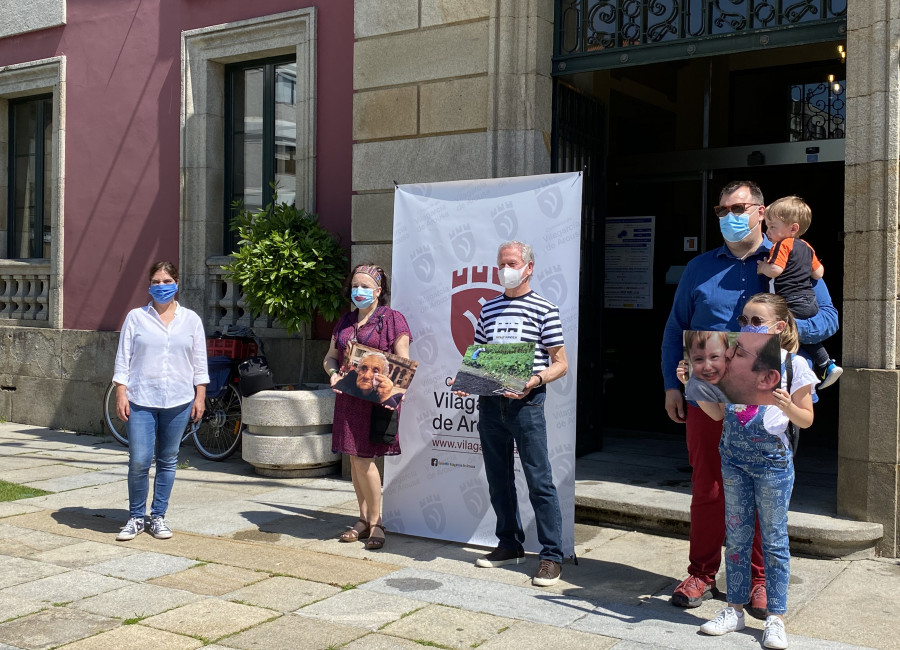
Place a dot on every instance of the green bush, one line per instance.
(287, 265)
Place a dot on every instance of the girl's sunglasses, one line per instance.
(756, 321)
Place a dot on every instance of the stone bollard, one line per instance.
(288, 432)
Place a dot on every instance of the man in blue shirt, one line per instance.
(710, 296)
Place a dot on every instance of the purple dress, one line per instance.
(350, 432)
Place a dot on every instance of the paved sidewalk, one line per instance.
(255, 563)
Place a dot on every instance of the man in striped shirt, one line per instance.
(520, 315)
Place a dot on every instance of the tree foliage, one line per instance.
(287, 265)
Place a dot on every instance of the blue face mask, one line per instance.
(757, 329)
(163, 293)
(362, 297)
(735, 227)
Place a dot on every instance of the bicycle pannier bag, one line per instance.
(255, 376)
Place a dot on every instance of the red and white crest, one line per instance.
(471, 288)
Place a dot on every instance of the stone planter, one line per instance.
(288, 432)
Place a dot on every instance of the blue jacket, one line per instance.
(711, 295)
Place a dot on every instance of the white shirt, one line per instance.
(774, 419)
(160, 365)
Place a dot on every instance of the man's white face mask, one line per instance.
(511, 278)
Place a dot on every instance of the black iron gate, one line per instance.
(578, 144)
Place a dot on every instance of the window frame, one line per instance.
(37, 283)
(40, 158)
(269, 66)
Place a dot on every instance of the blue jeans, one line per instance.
(758, 478)
(153, 431)
(501, 422)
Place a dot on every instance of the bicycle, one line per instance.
(218, 433)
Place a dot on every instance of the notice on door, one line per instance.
(629, 262)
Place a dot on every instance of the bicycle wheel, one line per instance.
(110, 420)
(219, 433)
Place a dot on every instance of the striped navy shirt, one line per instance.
(526, 319)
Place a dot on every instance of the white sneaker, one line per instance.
(774, 635)
(132, 529)
(727, 620)
(159, 529)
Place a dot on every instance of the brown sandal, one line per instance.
(374, 543)
(356, 532)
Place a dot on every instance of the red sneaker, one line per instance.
(693, 591)
(758, 604)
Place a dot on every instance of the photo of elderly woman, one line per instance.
(376, 376)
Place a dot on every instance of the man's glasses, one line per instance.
(737, 347)
(736, 208)
(756, 321)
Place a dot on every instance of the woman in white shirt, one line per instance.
(160, 379)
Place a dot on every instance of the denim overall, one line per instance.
(758, 478)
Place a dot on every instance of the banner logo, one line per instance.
(423, 263)
(471, 288)
(553, 285)
(506, 223)
(393, 521)
(550, 201)
(433, 513)
(475, 497)
(426, 346)
(420, 192)
(463, 242)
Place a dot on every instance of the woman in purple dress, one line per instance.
(375, 325)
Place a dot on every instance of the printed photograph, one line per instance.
(495, 368)
(376, 376)
(731, 367)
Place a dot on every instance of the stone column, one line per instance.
(870, 388)
(445, 90)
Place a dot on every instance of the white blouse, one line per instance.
(160, 365)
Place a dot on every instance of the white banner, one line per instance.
(444, 268)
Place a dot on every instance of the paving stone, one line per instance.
(14, 607)
(53, 627)
(294, 633)
(865, 588)
(480, 596)
(75, 481)
(282, 593)
(14, 571)
(11, 508)
(135, 637)
(21, 460)
(297, 563)
(136, 600)
(209, 619)
(210, 579)
(447, 626)
(143, 565)
(523, 635)
(378, 641)
(22, 542)
(81, 554)
(42, 473)
(230, 517)
(65, 587)
(360, 609)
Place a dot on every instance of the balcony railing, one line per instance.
(596, 34)
(25, 291)
(226, 304)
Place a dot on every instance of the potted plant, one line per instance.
(291, 268)
(288, 266)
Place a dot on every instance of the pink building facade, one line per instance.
(127, 128)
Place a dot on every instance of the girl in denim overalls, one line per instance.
(758, 474)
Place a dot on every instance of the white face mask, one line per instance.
(511, 278)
